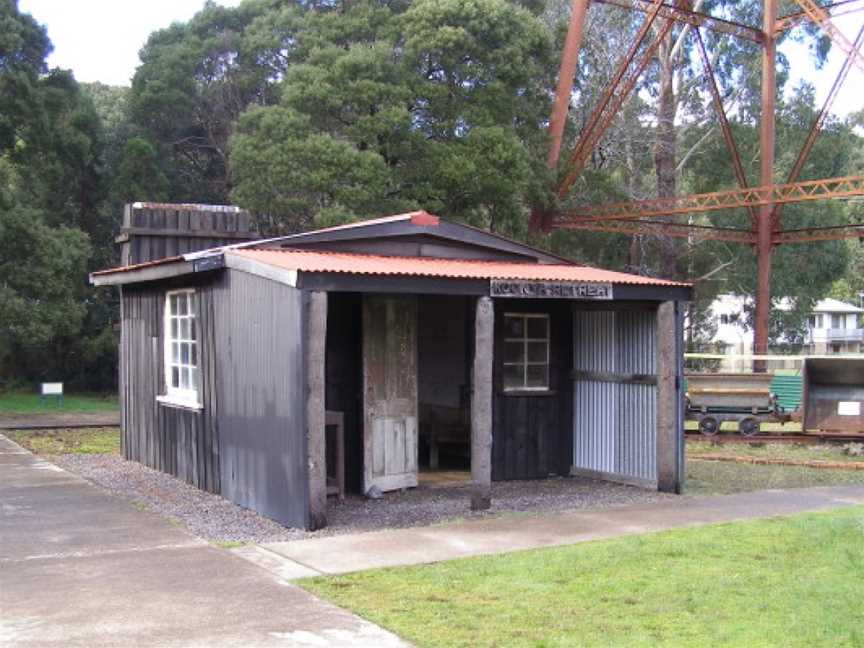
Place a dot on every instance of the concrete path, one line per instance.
(348, 553)
(79, 567)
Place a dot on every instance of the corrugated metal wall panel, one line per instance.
(615, 424)
(261, 396)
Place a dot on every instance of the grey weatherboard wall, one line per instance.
(615, 423)
(247, 443)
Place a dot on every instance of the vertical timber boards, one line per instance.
(531, 437)
(178, 229)
(260, 391)
(180, 442)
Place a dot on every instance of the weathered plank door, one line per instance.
(389, 392)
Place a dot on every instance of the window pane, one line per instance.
(193, 379)
(538, 327)
(184, 353)
(175, 352)
(194, 354)
(175, 377)
(173, 328)
(181, 304)
(514, 352)
(192, 329)
(538, 376)
(537, 352)
(184, 329)
(173, 301)
(514, 377)
(514, 326)
(184, 378)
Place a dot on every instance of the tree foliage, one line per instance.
(386, 109)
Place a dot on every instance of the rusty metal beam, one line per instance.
(711, 81)
(821, 18)
(613, 98)
(810, 190)
(835, 9)
(569, 58)
(817, 124)
(661, 228)
(764, 229)
(816, 234)
(694, 18)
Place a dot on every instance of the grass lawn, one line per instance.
(68, 440)
(787, 582)
(721, 478)
(28, 403)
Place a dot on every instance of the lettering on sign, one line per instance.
(550, 289)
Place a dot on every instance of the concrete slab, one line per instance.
(349, 553)
(81, 568)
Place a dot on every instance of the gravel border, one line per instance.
(214, 518)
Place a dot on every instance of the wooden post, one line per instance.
(481, 406)
(316, 347)
(667, 399)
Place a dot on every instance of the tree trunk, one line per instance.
(665, 153)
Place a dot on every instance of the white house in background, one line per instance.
(833, 327)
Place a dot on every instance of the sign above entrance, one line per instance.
(550, 289)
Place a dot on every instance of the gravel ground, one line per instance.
(213, 518)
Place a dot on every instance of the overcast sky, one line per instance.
(99, 41)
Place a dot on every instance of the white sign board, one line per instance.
(849, 408)
(52, 389)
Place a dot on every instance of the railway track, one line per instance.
(776, 438)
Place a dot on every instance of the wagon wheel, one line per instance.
(709, 426)
(748, 426)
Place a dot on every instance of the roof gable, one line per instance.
(413, 234)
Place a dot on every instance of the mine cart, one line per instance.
(833, 395)
(744, 398)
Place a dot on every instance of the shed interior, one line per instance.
(444, 353)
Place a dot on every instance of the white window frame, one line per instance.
(179, 396)
(525, 340)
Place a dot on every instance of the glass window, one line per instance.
(181, 347)
(526, 352)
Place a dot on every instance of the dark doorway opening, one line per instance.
(444, 387)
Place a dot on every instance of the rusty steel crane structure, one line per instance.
(765, 201)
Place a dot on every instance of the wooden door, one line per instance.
(389, 392)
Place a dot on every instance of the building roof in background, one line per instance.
(829, 305)
(368, 264)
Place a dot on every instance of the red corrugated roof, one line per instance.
(367, 264)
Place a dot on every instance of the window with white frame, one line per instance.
(526, 352)
(181, 348)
